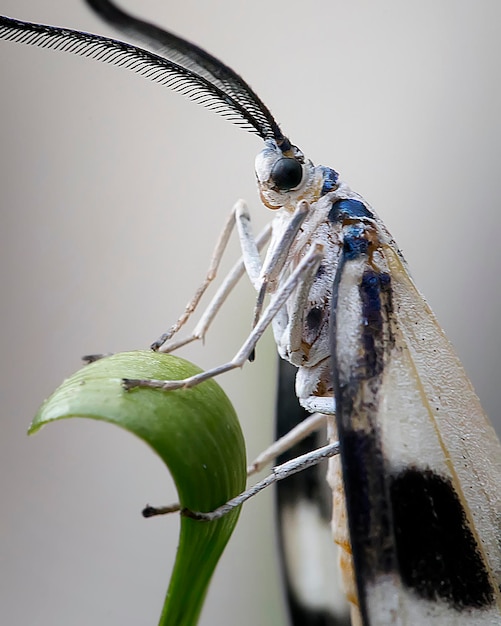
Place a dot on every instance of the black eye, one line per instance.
(286, 173)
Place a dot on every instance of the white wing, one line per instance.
(469, 451)
(421, 463)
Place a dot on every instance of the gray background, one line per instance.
(113, 192)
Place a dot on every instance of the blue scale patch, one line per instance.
(330, 180)
(348, 208)
(354, 244)
(375, 296)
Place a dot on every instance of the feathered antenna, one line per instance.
(188, 70)
(190, 56)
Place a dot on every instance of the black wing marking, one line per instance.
(184, 80)
(306, 492)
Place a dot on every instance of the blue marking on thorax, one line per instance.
(348, 208)
(354, 243)
(330, 179)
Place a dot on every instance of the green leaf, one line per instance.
(194, 431)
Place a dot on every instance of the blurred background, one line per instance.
(113, 191)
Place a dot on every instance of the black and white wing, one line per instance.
(309, 557)
(421, 462)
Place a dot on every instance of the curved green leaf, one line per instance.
(194, 431)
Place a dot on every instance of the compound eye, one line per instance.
(286, 173)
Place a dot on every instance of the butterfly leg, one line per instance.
(305, 271)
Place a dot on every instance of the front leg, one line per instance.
(251, 261)
(277, 256)
(224, 290)
(303, 273)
